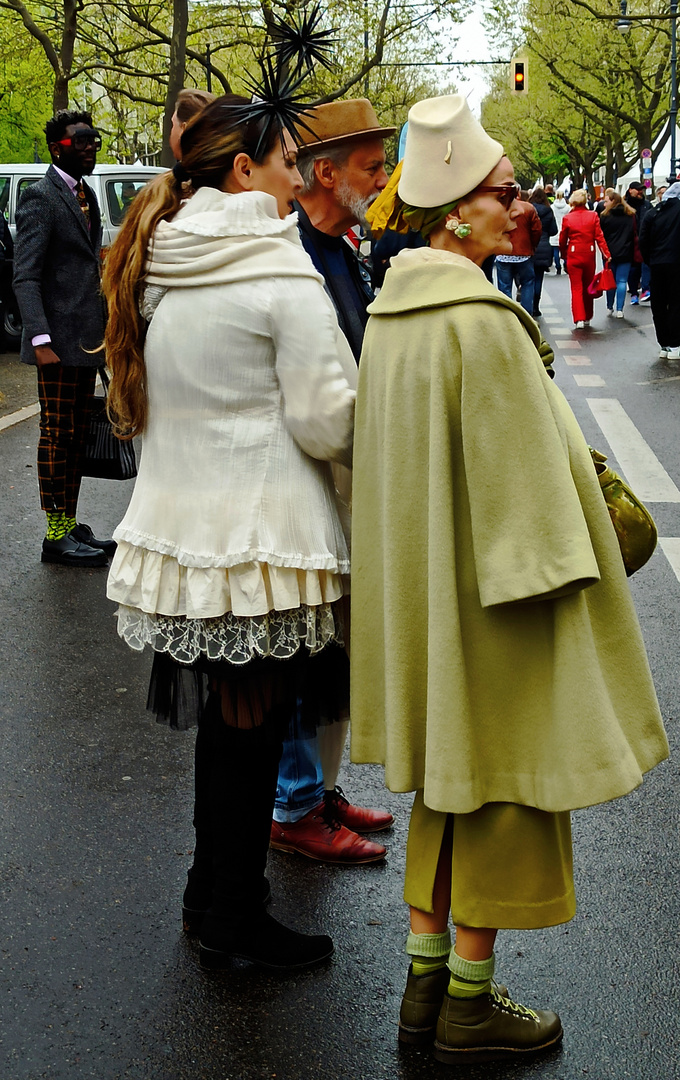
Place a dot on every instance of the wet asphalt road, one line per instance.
(96, 978)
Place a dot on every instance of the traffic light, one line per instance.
(519, 76)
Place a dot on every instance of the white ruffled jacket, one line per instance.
(251, 389)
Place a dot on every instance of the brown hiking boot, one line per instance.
(421, 1004)
(491, 1026)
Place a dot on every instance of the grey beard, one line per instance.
(356, 204)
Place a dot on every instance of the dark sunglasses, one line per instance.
(507, 193)
(82, 140)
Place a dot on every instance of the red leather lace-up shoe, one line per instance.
(319, 836)
(357, 818)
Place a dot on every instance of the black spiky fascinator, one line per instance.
(275, 99)
(303, 43)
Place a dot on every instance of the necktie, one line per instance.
(82, 201)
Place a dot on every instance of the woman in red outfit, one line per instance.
(580, 233)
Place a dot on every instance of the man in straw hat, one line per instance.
(343, 169)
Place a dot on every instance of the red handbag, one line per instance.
(602, 282)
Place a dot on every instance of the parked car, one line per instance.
(115, 187)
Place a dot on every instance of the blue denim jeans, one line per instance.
(620, 271)
(556, 257)
(300, 785)
(522, 274)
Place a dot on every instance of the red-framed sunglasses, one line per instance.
(82, 140)
(507, 193)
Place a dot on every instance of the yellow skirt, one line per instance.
(511, 865)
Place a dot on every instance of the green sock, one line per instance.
(470, 978)
(70, 523)
(56, 525)
(428, 952)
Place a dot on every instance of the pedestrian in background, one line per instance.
(57, 287)
(232, 553)
(492, 615)
(543, 253)
(519, 266)
(639, 278)
(660, 247)
(579, 236)
(560, 209)
(189, 104)
(620, 231)
(659, 194)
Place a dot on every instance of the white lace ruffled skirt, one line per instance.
(232, 624)
(223, 613)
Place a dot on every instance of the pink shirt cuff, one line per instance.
(41, 339)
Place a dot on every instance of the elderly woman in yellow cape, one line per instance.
(492, 620)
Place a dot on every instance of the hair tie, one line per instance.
(180, 174)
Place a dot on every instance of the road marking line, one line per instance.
(638, 462)
(566, 343)
(670, 545)
(588, 380)
(19, 415)
(577, 361)
(653, 382)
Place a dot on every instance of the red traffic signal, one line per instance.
(519, 76)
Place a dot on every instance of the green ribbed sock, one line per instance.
(470, 978)
(428, 952)
(56, 525)
(71, 523)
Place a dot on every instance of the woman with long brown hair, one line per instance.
(226, 357)
(620, 231)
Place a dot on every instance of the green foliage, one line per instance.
(121, 50)
(25, 96)
(596, 96)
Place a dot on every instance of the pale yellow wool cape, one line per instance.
(496, 654)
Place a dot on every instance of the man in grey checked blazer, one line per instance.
(57, 286)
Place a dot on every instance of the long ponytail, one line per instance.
(122, 282)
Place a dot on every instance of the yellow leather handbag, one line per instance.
(632, 521)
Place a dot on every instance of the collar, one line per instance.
(66, 177)
(320, 239)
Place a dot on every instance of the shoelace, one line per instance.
(512, 1006)
(330, 804)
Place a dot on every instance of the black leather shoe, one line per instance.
(263, 941)
(71, 552)
(84, 534)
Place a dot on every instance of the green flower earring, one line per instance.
(459, 228)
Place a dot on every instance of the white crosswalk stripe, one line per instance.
(637, 461)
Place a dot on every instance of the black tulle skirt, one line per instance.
(263, 690)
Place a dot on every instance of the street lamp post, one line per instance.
(674, 83)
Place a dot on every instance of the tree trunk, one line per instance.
(176, 72)
(609, 162)
(60, 95)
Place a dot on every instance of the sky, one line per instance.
(472, 45)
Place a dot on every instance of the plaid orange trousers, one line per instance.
(65, 395)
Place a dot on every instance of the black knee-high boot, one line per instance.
(200, 878)
(243, 773)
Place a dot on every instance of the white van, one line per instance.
(115, 187)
